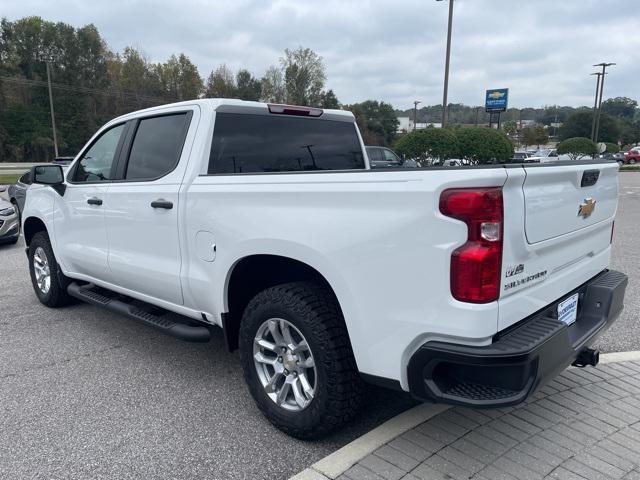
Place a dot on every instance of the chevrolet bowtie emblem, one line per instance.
(587, 208)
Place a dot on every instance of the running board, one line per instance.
(137, 310)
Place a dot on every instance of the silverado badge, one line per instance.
(587, 207)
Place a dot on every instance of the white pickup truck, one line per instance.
(468, 285)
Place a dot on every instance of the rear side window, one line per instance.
(245, 143)
(375, 154)
(157, 146)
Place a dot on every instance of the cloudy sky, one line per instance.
(389, 50)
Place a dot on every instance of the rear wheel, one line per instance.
(297, 360)
(49, 284)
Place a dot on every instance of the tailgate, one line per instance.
(564, 199)
(557, 233)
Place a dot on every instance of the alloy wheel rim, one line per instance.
(284, 364)
(42, 270)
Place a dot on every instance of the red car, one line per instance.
(632, 156)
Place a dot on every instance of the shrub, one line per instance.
(577, 147)
(484, 145)
(438, 143)
(612, 148)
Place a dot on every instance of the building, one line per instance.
(406, 125)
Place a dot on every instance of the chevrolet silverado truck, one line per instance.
(468, 285)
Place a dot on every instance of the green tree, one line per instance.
(433, 143)
(541, 136)
(304, 76)
(273, 86)
(377, 121)
(577, 148)
(480, 145)
(612, 148)
(630, 133)
(329, 100)
(247, 86)
(180, 79)
(510, 127)
(221, 83)
(579, 125)
(622, 107)
(528, 136)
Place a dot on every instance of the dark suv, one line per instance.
(383, 157)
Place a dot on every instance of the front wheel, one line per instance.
(297, 360)
(49, 284)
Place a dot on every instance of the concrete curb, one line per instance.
(338, 462)
(620, 357)
(341, 460)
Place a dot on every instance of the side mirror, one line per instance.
(51, 175)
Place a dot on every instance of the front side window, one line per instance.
(248, 143)
(157, 146)
(25, 179)
(95, 164)
(389, 156)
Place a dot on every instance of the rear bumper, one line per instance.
(521, 358)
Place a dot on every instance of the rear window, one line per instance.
(245, 143)
(157, 146)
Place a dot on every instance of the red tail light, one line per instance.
(476, 266)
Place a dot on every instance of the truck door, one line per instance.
(143, 204)
(79, 217)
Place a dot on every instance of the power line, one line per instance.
(70, 88)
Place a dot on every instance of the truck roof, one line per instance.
(232, 105)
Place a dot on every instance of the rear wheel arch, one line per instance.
(255, 273)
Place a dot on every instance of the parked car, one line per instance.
(632, 156)
(9, 223)
(523, 156)
(383, 157)
(546, 155)
(18, 191)
(266, 221)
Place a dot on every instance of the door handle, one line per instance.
(94, 201)
(161, 203)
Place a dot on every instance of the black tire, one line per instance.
(57, 295)
(315, 312)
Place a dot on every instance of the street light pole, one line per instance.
(446, 65)
(604, 66)
(415, 113)
(595, 105)
(53, 117)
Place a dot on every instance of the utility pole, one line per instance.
(415, 114)
(53, 117)
(595, 106)
(604, 66)
(446, 65)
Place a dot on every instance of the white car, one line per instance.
(463, 285)
(547, 155)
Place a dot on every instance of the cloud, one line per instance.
(393, 50)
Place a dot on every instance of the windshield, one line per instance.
(545, 152)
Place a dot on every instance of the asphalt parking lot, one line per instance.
(88, 394)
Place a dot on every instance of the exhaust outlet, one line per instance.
(588, 356)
